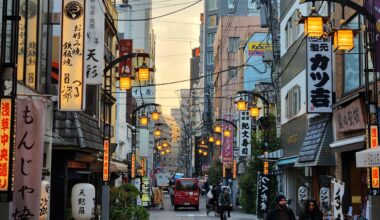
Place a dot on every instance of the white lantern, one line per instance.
(302, 195)
(44, 200)
(83, 201)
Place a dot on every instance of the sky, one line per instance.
(176, 36)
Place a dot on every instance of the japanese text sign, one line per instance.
(324, 197)
(5, 131)
(244, 134)
(106, 160)
(29, 147)
(227, 142)
(125, 66)
(83, 201)
(263, 192)
(337, 197)
(71, 59)
(349, 117)
(234, 170)
(319, 75)
(302, 195)
(94, 44)
(133, 165)
(44, 200)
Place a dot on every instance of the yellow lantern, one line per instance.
(165, 144)
(167, 151)
(314, 26)
(227, 133)
(211, 139)
(254, 111)
(218, 142)
(143, 120)
(157, 132)
(162, 152)
(344, 39)
(205, 153)
(241, 105)
(159, 147)
(143, 73)
(202, 142)
(200, 151)
(217, 128)
(155, 115)
(125, 82)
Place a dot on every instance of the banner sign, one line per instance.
(302, 195)
(244, 134)
(5, 144)
(133, 165)
(83, 201)
(145, 198)
(324, 198)
(319, 75)
(227, 142)
(29, 147)
(94, 44)
(71, 58)
(337, 198)
(106, 160)
(263, 193)
(148, 92)
(27, 49)
(44, 200)
(125, 66)
(350, 117)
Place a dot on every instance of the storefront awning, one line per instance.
(287, 161)
(315, 150)
(117, 167)
(349, 144)
(274, 154)
(368, 158)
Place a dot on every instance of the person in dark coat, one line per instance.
(311, 211)
(281, 211)
(225, 203)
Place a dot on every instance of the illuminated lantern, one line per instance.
(254, 111)
(200, 151)
(202, 142)
(143, 72)
(344, 39)
(217, 128)
(155, 115)
(159, 147)
(167, 151)
(162, 152)
(205, 153)
(165, 144)
(314, 26)
(227, 133)
(211, 139)
(125, 82)
(218, 142)
(157, 132)
(85, 193)
(143, 120)
(241, 105)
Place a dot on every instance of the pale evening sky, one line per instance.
(176, 36)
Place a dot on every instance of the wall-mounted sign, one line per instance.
(234, 170)
(94, 43)
(5, 156)
(338, 189)
(125, 66)
(319, 75)
(71, 57)
(244, 134)
(324, 197)
(263, 193)
(374, 143)
(106, 160)
(83, 201)
(133, 165)
(266, 167)
(227, 142)
(350, 117)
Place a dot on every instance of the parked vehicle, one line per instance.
(186, 193)
(162, 180)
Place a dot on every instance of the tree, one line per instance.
(215, 173)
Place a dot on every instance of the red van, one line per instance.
(186, 193)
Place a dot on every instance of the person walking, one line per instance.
(225, 203)
(311, 211)
(171, 191)
(281, 211)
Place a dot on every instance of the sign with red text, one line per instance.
(125, 66)
(227, 142)
(106, 165)
(5, 156)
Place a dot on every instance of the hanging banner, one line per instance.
(106, 160)
(71, 58)
(31, 45)
(302, 196)
(133, 165)
(125, 66)
(319, 75)
(30, 127)
(263, 193)
(44, 200)
(338, 187)
(94, 43)
(5, 134)
(83, 201)
(21, 42)
(244, 134)
(227, 142)
(324, 198)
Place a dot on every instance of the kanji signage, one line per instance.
(338, 189)
(29, 147)
(319, 75)
(5, 156)
(106, 160)
(227, 148)
(234, 170)
(350, 117)
(148, 92)
(244, 134)
(374, 142)
(324, 197)
(263, 192)
(302, 195)
(94, 43)
(133, 165)
(44, 200)
(72, 55)
(83, 201)
(125, 66)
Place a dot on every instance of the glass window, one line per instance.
(232, 73)
(210, 58)
(233, 44)
(293, 102)
(212, 21)
(212, 4)
(210, 76)
(210, 39)
(231, 4)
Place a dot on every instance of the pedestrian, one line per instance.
(171, 191)
(281, 211)
(206, 187)
(213, 200)
(311, 211)
(225, 203)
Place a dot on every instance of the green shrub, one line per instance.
(122, 198)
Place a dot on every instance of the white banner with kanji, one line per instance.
(244, 134)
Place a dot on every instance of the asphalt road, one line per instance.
(187, 214)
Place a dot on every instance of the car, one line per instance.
(186, 193)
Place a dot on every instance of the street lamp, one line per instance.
(157, 132)
(218, 142)
(143, 120)
(314, 23)
(226, 133)
(254, 111)
(241, 104)
(125, 82)
(155, 115)
(217, 128)
(211, 139)
(143, 72)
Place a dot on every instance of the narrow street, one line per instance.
(189, 213)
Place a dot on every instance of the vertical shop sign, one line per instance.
(44, 200)
(234, 170)
(125, 66)
(29, 147)
(324, 197)
(319, 75)
(133, 164)
(374, 142)
(263, 193)
(337, 199)
(106, 160)
(5, 134)
(244, 134)
(71, 59)
(227, 142)
(94, 43)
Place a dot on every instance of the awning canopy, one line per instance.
(368, 158)
(349, 144)
(274, 154)
(117, 167)
(287, 161)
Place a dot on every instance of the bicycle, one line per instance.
(224, 210)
